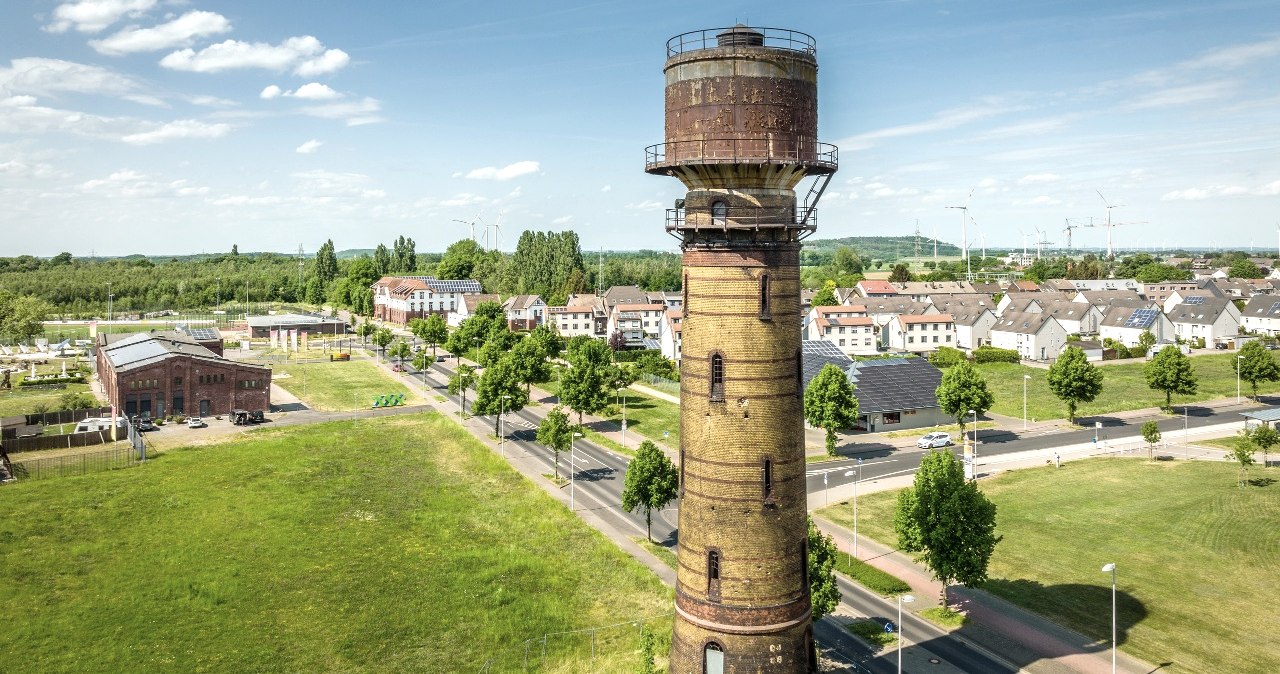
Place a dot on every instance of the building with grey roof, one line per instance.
(313, 324)
(893, 393)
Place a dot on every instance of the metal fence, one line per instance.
(74, 464)
(663, 384)
(623, 636)
(55, 418)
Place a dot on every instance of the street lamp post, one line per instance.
(1186, 446)
(501, 434)
(1025, 378)
(856, 476)
(902, 599)
(1111, 567)
(573, 468)
(1239, 362)
(110, 297)
(975, 435)
(624, 416)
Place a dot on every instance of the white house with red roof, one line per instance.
(670, 334)
(400, 299)
(848, 328)
(876, 288)
(636, 322)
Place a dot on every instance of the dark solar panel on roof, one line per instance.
(1196, 299)
(1141, 318)
(202, 334)
(460, 286)
(823, 348)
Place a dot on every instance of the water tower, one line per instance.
(741, 134)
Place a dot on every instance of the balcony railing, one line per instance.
(774, 38)
(741, 217)
(751, 150)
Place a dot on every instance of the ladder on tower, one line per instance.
(816, 189)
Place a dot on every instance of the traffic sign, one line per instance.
(888, 628)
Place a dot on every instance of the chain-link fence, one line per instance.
(74, 464)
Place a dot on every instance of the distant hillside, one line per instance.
(353, 252)
(885, 247)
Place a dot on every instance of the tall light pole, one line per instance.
(1239, 362)
(217, 299)
(902, 599)
(856, 476)
(110, 296)
(1186, 444)
(573, 468)
(975, 431)
(1025, 378)
(501, 434)
(624, 416)
(1111, 567)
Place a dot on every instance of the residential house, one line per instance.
(946, 302)
(571, 321)
(1024, 286)
(1035, 336)
(919, 291)
(1060, 285)
(813, 331)
(892, 393)
(1076, 318)
(882, 311)
(669, 337)
(1125, 324)
(920, 333)
(399, 299)
(1106, 284)
(1104, 298)
(1180, 296)
(1015, 301)
(636, 322)
(973, 325)
(1261, 315)
(525, 312)
(987, 288)
(1093, 350)
(849, 328)
(599, 315)
(1159, 292)
(467, 307)
(1212, 319)
(876, 288)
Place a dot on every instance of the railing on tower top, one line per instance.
(774, 38)
(741, 217)
(743, 150)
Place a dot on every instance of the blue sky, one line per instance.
(161, 126)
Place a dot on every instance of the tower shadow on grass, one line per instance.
(1086, 607)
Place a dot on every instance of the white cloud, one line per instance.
(271, 91)
(130, 184)
(176, 33)
(988, 183)
(507, 172)
(942, 121)
(91, 16)
(355, 112)
(309, 147)
(463, 199)
(1270, 189)
(647, 205)
(1175, 96)
(314, 91)
(1039, 178)
(1212, 191)
(1044, 201)
(183, 128)
(49, 77)
(305, 55)
(607, 188)
(562, 220)
(211, 101)
(1236, 56)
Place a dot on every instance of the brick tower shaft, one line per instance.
(741, 126)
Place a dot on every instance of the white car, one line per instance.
(196, 422)
(932, 440)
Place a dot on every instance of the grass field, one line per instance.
(1123, 388)
(339, 386)
(23, 401)
(407, 547)
(648, 416)
(1197, 556)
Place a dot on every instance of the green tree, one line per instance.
(499, 391)
(1145, 341)
(845, 261)
(1254, 364)
(824, 594)
(22, 317)
(1074, 380)
(434, 332)
(1170, 371)
(651, 483)
(963, 390)
(381, 338)
(1151, 433)
(1265, 437)
(582, 388)
(1244, 268)
(826, 297)
(382, 260)
(1242, 453)
(459, 260)
(76, 401)
(463, 378)
(366, 330)
(900, 273)
(547, 339)
(556, 433)
(400, 350)
(530, 363)
(829, 403)
(950, 524)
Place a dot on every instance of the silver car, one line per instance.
(932, 440)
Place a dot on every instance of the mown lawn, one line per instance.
(24, 401)
(387, 545)
(1197, 556)
(646, 415)
(1123, 388)
(339, 386)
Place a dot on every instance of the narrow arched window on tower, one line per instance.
(764, 298)
(713, 658)
(768, 480)
(719, 214)
(717, 378)
(713, 575)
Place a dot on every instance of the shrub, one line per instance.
(946, 356)
(990, 354)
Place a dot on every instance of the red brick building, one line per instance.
(162, 373)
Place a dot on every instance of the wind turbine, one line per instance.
(964, 225)
(471, 223)
(497, 233)
(1109, 226)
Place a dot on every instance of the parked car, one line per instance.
(932, 440)
(1221, 346)
(144, 424)
(441, 357)
(196, 422)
